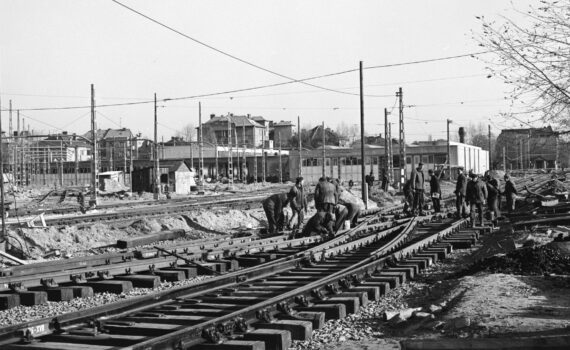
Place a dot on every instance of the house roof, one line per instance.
(171, 165)
(283, 123)
(108, 134)
(238, 120)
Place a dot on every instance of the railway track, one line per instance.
(270, 302)
(133, 210)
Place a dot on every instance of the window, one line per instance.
(375, 160)
(335, 161)
(425, 159)
(408, 160)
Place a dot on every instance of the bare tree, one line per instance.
(188, 133)
(533, 57)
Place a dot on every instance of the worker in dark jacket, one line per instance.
(460, 191)
(318, 193)
(370, 180)
(273, 207)
(298, 202)
(476, 195)
(385, 181)
(510, 193)
(417, 183)
(435, 190)
(493, 192)
(322, 223)
(340, 213)
(326, 196)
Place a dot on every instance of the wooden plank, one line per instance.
(150, 238)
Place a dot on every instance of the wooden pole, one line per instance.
(300, 148)
(156, 164)
(280, 164)
(2, 213)
(94, 152)
(324, 152)
(201, 145)
(362, 155)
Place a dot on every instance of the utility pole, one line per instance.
(18, 150)
(528, 150)
(237, 152)
(324, 152)
(201, 146)
(230, 150)
(363, 162)
(490, 167)
(390, 155)
(125, 162)
(556, 161)
(94, 152)
(156, 164)
(131, 164)
(76, 166)
(191, 151)
(448, 150)
(299, 137)
(10, 153)
(254, 157)
(386, 150)
(504, 160)
(280, 165)
(244, 160)
(2, 213)
(403, 167)
(521, 155)
(263, 156)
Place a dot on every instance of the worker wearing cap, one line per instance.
(417, 184)
(476, 195)
(510, 193)
(435, 190)
(322, 223)
(298, 202)
(460, 191)
(493, 192)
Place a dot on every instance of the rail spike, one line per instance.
(225, 328)
(345, 283)
(356, 279)
(285, 308)
(333, 288)
(240, 325)
(302, 300)
(264, 315)
(318, 293)
(212, 335)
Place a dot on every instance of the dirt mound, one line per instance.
(525, 261)
(223, 220)
(146, 225)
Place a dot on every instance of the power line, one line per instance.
(228, 54)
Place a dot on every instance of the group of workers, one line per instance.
(474, 193)
(333, 204)
(477, 192)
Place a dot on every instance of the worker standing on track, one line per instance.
(408, 197)
(493, 199)
(476, 195)
(326, 196)
(273, 207)
(417, 183)
(460, 192)
(298, 202)
(510, 194)
(81, 201)
(435, 190)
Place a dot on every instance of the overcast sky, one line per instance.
(51, 51)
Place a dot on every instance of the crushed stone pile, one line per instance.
(542, 260)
